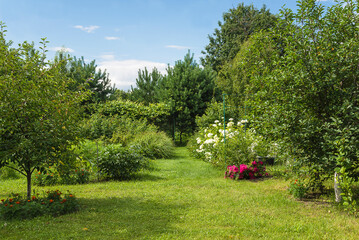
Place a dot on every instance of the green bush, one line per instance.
(115, 129)
(9, 173)
(128, 129)
(50, 203)
(236, 146)
(153, 145)
(120, 163)
(52, 176)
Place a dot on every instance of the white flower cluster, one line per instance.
(214, 135)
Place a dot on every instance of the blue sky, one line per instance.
(122, 35)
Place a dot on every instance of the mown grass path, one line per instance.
(184, 198)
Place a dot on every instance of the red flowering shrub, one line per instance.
(256, 170)
(51, 203)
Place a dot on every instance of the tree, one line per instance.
(38, 113)
(87, 76)
(187, 88)
(146, 86)
(305, 92)
(238, 25)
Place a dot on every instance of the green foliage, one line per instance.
(298, 189)
(53, 176)
(238, 25)
(39, 114)
(86, 76)
(187, 89)
(119, 163)
(156, 113)
(154, 145)
(301, 81)
(50, 203)
(115, 129)
(234, 146)
(214, 111)
(146, 89)
(9, 172)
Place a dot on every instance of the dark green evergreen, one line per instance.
(238, 24)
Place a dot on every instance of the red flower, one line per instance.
(10, 200)
(17, 202)
(11, 205)
(3, 200)
(5, 204)
(51, 201)
(33, 198)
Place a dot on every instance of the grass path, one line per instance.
(184, 198)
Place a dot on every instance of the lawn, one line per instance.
(184, 198)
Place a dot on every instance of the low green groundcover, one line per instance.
(50, 203)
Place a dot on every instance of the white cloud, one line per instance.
(177, 47)
(88, 29)
(112, 38)
(107, 57)
(62, 49)
(123, 73)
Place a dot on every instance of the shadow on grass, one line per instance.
(129, 218)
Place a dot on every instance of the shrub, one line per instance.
(9, 173)
(153, 145)
(256, 170)
(50, 203)
(115, 129)
(298, 189)
(119, 163)
(235, 145)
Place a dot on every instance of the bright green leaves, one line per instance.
(39, 114)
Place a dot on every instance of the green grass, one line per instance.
(184, 198)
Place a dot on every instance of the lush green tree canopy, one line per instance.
(87, 76)
(38, 112)
(146, 89)
(187, 89)
(238, 25)
(301, 81)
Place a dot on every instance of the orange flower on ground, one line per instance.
(33, 198)
(5, 204)
(51, 200)
(17, 202)
(11, 205)
(10, 200)
(71, 195)
(29, 200)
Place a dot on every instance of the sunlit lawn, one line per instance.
(184, 199)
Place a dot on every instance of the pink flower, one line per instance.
(255, 169)
(251, 175)
(243, 168)
(254, 163)
(260, 162)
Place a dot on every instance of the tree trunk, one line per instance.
(337, 188)
(28, 177)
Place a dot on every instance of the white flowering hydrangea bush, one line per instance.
(235, 145)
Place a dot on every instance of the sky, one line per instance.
(122, 36)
